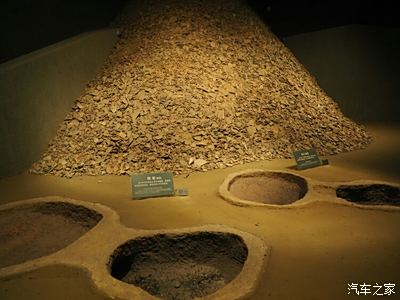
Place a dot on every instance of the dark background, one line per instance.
(27, 25)
(293, 17)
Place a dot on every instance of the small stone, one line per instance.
(198, 163)
(251, 130)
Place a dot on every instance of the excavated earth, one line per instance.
(269, 187)
(33, 231)
(373, 194)
(180, 267)
(196, 85)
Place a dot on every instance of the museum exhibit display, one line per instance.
(42, 228)
(177, 150)
(263, 187)
(370, 194)
(187, 266)
(196, 87)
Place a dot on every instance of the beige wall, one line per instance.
(38, 89)
(357, 65)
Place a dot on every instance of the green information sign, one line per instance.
(152, 185)
(306, 159)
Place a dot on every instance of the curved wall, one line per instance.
(357, 65)
(38, 89)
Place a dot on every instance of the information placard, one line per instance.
(152, 185)
(306, 159)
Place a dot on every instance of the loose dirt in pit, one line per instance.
(372, 194)
(33, 231)
(180, 267)
(196, 85)
(269, 188)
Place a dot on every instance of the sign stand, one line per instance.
(308, 158)
(152, 185)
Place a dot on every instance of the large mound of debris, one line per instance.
(196, 85)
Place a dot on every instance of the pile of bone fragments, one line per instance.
(195, 85)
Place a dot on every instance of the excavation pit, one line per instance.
(35, 230)
(264, 187)
(180, 266)
(370, 194)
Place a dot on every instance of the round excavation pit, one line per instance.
(180, 266)
(370, 194)
(34, 230)
(263, 187)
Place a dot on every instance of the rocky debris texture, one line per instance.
(196, 85)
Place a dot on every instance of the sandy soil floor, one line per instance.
(45, 228)
(316, 250)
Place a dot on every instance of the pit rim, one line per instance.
(225, 193)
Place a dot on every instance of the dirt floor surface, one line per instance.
(37, 230)
(317, 250)
(180, 267)
(371, 194)
(270, 188)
